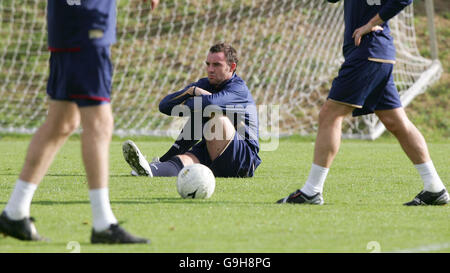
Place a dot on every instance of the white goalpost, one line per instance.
(289, 52)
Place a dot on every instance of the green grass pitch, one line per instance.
(363, 209)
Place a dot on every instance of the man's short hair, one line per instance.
(228, 50)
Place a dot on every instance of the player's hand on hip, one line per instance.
(360, 32)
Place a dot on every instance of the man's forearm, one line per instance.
(180, 97)
(375, 21)
(197, 91)
(167, 103)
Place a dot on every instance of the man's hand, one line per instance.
(198, 91)
(154, 3)
(357, 35)
(372, 25)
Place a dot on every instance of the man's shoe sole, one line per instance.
(131, 154)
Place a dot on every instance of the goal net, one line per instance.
(289, 51)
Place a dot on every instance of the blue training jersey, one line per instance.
(379, 44)
(232, 98)
(73, 24)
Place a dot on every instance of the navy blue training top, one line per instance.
(232, 98)
(73, 24)
(379, 44)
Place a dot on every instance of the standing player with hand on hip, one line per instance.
(365, 85)
(80, 33)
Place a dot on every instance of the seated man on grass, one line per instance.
(222, 130)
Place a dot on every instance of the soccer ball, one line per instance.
(196, 181)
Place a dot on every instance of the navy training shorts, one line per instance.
(83, 77)
(366, 85)
(237, 160)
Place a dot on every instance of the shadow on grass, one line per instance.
(66, 175)
(156, 200)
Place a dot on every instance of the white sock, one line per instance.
(102, 215)
(431, 180)
(19, 203)
(316, 179)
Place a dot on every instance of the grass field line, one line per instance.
(425, 248)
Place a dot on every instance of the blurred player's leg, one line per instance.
(62, 119)
(97, 123)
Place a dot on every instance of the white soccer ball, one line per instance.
(196, 181)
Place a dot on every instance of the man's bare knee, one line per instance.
(97, 121)
(62, 128)
(332, 110)
(218, 128)
(62, 120)
(394, 120)
(219, 132)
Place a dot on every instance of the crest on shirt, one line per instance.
(73, 2)
(96, 34)
(374, 2)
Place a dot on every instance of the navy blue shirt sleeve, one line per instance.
(221, 99)
(233, 93)
(170, 101)
(392, 8)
